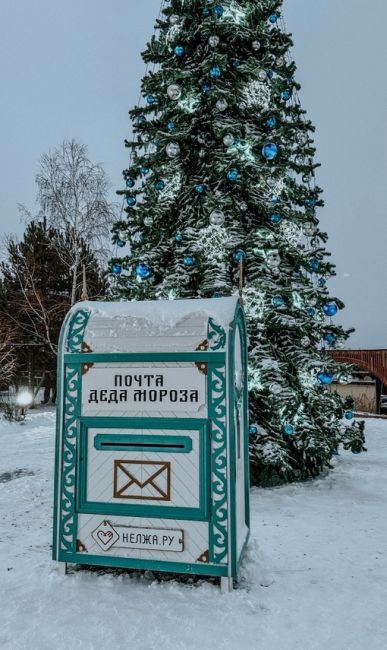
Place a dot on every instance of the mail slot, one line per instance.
(165, 444)
(152, 437)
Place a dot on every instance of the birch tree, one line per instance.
(7, 354)
(73, 195)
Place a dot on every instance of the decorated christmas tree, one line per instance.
(220, 193)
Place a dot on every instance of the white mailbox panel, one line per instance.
(143, 467)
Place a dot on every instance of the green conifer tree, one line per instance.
(35, 291)
(221, 181)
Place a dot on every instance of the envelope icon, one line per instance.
(142, 479)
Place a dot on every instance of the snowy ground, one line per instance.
(315, 576)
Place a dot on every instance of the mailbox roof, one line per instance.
(154, 326)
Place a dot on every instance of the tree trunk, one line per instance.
(75, 274)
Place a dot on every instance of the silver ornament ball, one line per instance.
(221, 105)
(302, 138)
(228, 140)
(174, 19)
(256, 45)
(275, 389)
(273, 259)
(280, 62)
(172, 149)
(217, 218)
(262, 75)
(243, 206)
(148, 221)
(174, 91)
(214, 40)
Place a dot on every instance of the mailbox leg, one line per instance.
(62, 568)
(226, 585)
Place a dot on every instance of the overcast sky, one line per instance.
(73, 69)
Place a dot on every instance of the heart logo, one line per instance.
(105, 538)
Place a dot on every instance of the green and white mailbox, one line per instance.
(152, 437)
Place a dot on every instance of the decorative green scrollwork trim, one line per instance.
(76, 331)
(217, 415)
(216, 336)
(72, 387)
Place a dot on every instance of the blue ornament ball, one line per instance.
(330, 309)
(159, 185)
(273, 18)
(311, 202)
(218, 11)
(178, 236)
(131, 200)
(150, 99)
(288, 429)
(236, 63)
(311, 312)
(232, 175)
(349, 415)
(271, 122)
(116, 268)
(239, 256)
(314, 264)
(206, 88)
(144, 171)
(143, 270)
(206, 12)
(274, 200)
(356, 451)
(179, 50)
(277, 301)
(200, 188)
(171, 126)
(322, 282)
(253, 430)
(329, 338)
(270, 151)
(286, 95)
(120, 243)
(129, 182)
(188, 260)
(270, 74)
(141, 119)
(275, 218)
(324, 378)
(215, 72)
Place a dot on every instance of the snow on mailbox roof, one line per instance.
(154, 326)
(165, 314)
